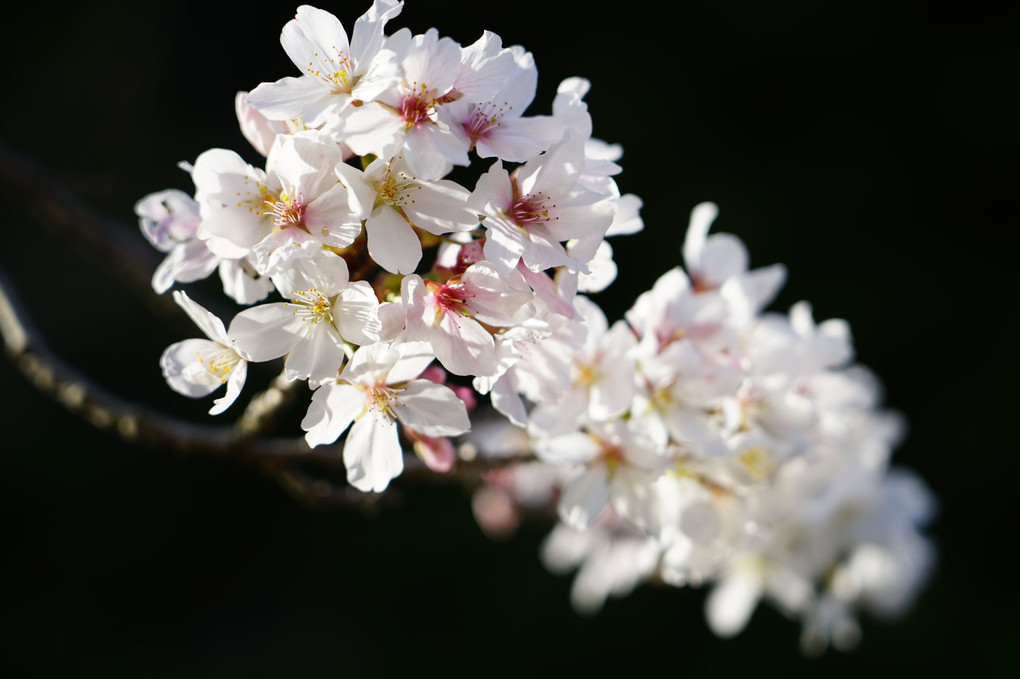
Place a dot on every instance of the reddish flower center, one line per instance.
(285, 211)
(529, 210)
(417, 107)
(449, 298)
(482, 120)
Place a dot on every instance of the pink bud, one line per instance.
(434, 373)
(468, 255)
(437, 454)
(466, 394)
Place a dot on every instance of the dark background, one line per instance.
(869, 148)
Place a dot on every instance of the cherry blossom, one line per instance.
(169, 220)
(197, 367)
(376, 389)
(451, 315)
(402, 202)
(699, 439)
(406, 118)
(530, 215)
(335, 73)
(324, 309)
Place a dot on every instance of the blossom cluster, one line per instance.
(703, 440)
(698, 439)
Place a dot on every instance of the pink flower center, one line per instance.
(417, 107)
(529, 210)
(482, 120)
(286, 212)
(449, 298)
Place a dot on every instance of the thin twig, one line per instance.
(280, 457)
(135, 423)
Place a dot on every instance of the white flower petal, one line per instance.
(234, 386)
(731, 602)
(392, 242)
(266, 332)
(414, 357)
(356, 313)
(179, 361)
(574, 448)
(318, 358)
(584, 498)
(205, 320)
(372, 452)
(431, 409)
(333, 408)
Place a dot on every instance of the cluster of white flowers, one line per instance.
(701, 440)
(698, 439)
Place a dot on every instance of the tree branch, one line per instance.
(55, 208)
(135, 423)
(138, 424)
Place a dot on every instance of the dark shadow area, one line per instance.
(869, 148)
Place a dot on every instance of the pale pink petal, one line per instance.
(372, 452)
(186, 263)
(373, 129)
(463, 346)
(234, 386)
(441, 207)
(392, 242)
(356, 313)
(432, 62)
(494, 298)
(504, 244)
(419, 307)
(584, 498)
(242, 283)
(519, 140)
(633, 497)
(265, 332)
(292, 98)
(177, 360)
(414, 357)
(431, 149)
(318, 358)
(723, 256)
(329, 217)
(367, 38)
(383, 74)
(431, 409)
(259, 130)
(702, 217)
(626, 221)
(485, 68)
(507, 401)
(560, 416)
(333, 408)
(493, 192)
(205, 320)
(556, 171)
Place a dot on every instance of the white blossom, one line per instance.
(700, 439)
(324, 309)
(375, 390)
(198, 367)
